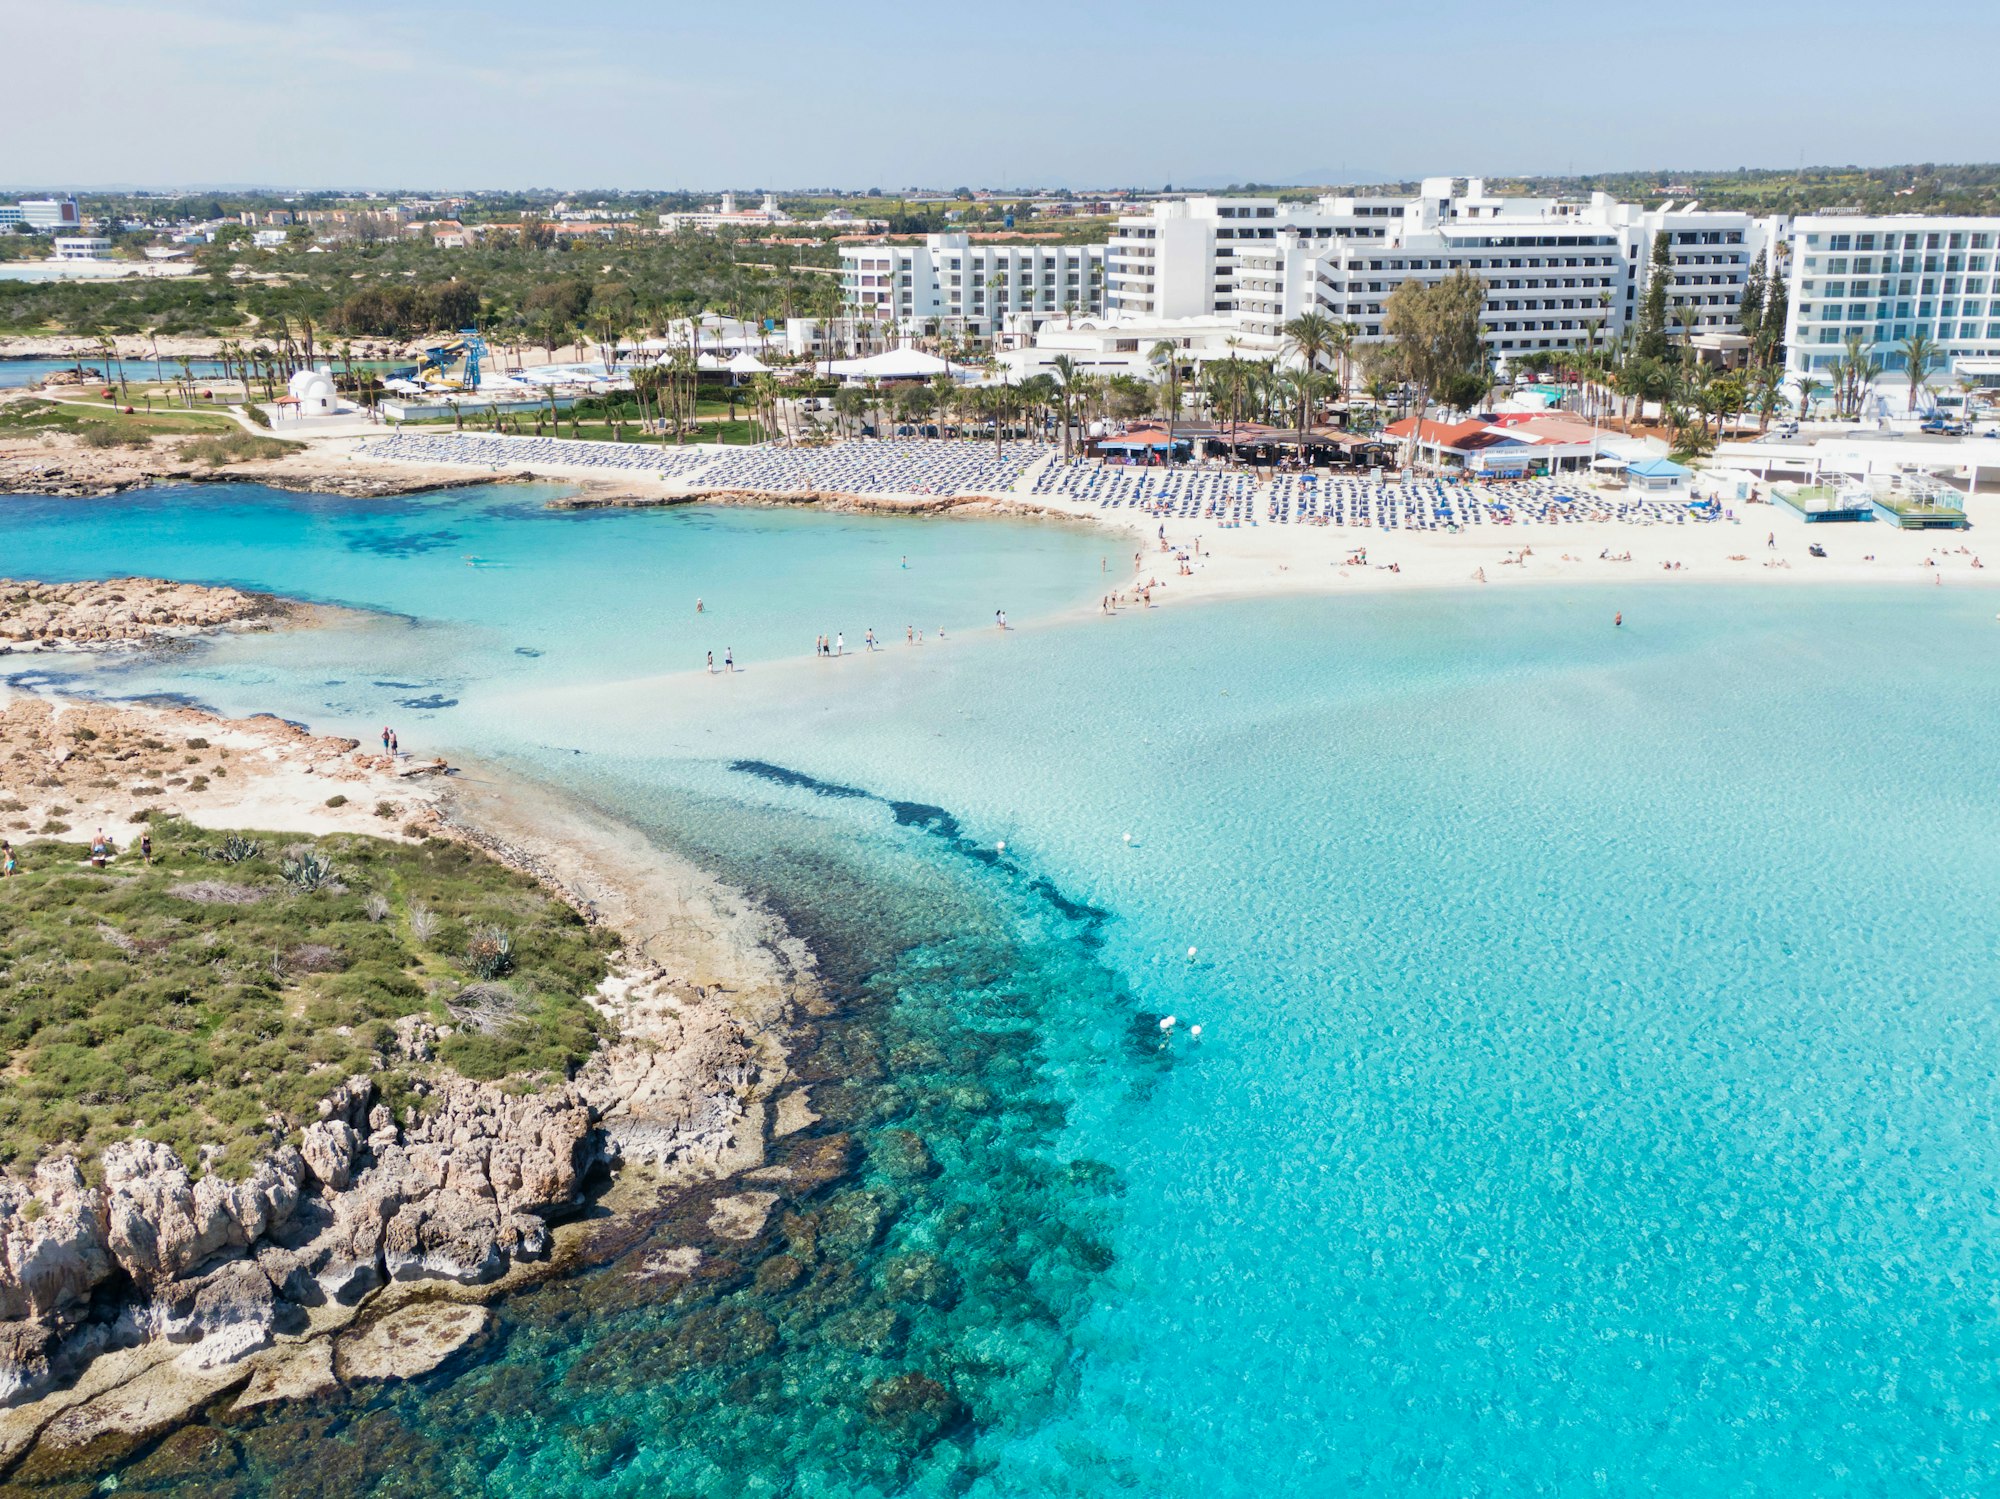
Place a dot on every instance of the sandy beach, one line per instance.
(1760, 542)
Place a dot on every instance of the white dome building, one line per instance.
(314, 393)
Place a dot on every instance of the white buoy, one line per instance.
(1195, 1031)
(1128, 837)
(1001, 845)
(1167, 1024)
(1191, 953)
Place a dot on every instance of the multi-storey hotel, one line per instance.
(949, 284)
(1220, 275)
(1558, 274)
(1884, 278)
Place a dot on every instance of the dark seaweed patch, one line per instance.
(940, 824)
(778, 775)
(399, 544)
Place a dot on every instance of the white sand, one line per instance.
(1286, 558)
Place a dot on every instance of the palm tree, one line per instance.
(1311, 387)
(1310, 335)
(1065, 371)
(944, 390)
(1809, 390)
(850, 404)
(764, 396)
(999, 404)
(1165, 357)
(1920, 361)
(1767, 392)
(1855, 371)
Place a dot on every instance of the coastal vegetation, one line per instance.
(210, 998)
(516, 290)
(236, 446)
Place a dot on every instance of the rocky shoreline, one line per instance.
(128, 612)
(63, 468)
(136, 1295)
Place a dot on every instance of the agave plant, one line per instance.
(490, 953)
(306, 872)
(236, 849)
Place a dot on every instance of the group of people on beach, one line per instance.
(830, 647)
(391, 745)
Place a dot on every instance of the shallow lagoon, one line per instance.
(1597, 1090)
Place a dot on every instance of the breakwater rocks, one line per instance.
(126, 611)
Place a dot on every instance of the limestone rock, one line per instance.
(329, 1148)
(295, 1375)
(407, 1342)
(741, 1217)
(52, 1241)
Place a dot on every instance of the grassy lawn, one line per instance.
(192, 1000)
(32, 417)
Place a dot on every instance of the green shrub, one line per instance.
(234, 447)
(206, 1007)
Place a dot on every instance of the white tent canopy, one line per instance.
(747, 364)
(896, 364)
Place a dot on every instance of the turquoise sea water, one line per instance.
(1597, 1091)
(15, 372)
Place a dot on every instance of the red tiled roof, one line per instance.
(1442, 434)
(1554, 429)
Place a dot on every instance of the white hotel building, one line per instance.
(1554, 271)
(949, 284)
(1558, 274)
(1886, 277)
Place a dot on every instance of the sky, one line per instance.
(803, 93)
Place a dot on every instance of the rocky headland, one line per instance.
(61, 465)
(137, 1287)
